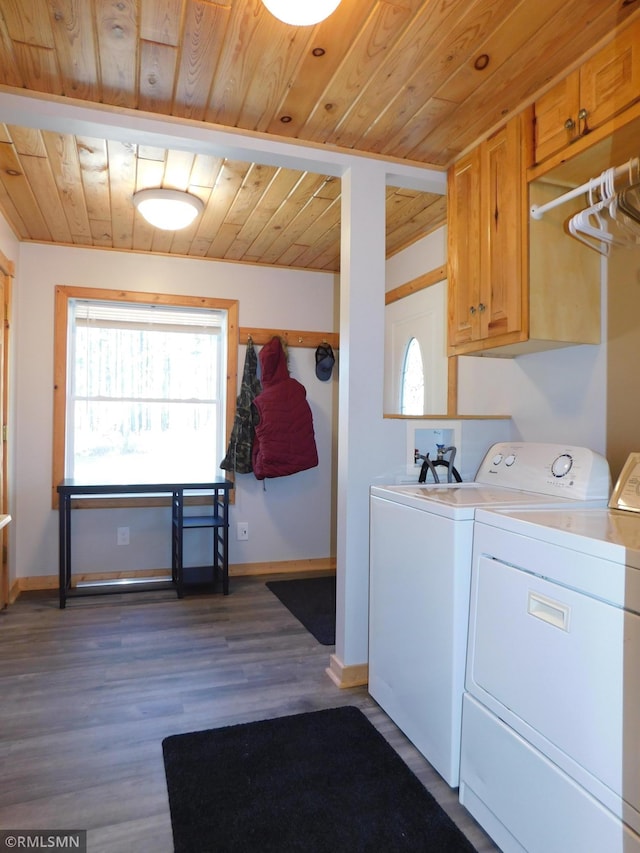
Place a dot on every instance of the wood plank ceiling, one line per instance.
(415, 80)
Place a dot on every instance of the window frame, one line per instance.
(63, 293)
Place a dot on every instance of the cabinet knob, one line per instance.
(582, 116)
(569, 124)
(472, 310)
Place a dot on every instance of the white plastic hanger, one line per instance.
(590, 226)
(622, 209)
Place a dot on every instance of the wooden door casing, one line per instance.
(6, 278)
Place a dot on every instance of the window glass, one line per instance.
(412, 381)
(145, 397)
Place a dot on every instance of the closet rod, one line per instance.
(538, 210)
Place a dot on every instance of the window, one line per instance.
(412, 382)
(145, 386)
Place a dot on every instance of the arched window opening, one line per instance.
(412, 380)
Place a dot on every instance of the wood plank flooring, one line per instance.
(88, 693)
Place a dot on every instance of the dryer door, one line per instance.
(562, 669)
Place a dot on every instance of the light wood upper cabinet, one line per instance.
(556, 117)
(515, 286)
(602, 87)
(610, 81)
(485, 245)
(518, 285)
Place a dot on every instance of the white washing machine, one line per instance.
(551, 718)
(421, 540)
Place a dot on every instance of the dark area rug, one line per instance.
(313, 602)
(320, 782)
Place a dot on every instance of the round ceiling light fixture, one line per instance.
(170, 210)
(301, 14)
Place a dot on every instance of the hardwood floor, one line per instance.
(88, 693)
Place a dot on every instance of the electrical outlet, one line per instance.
(123, 536)
(243, 530)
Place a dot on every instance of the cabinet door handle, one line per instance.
(482, 307)
(569, 124)
(472, 310)
(582, 116)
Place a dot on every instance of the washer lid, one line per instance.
(459, 501)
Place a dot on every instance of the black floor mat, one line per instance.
(313, 602)
(320, 782)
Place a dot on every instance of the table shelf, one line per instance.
(214, 494)
(202, 521)
(218, 521)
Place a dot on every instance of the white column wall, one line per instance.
(361, 447)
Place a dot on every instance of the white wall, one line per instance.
(289, 517)
(421, 257)
(555, 396)
(422, 315)
(9, 245)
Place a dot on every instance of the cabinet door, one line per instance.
(556, 117)
(464, 249)
(610, 81)
(500, 306)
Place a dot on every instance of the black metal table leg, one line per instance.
(64, 556)
(178, 564)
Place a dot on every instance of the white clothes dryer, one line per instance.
(421, 539)
(551, 727)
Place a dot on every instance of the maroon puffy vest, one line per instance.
(284, 441)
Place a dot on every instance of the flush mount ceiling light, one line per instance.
(301, 14)
(170, 210)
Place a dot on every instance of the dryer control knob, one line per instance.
(511, 458)
(497, 459)
(561, 465)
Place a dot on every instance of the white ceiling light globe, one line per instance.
(169, 210)
(301, 13)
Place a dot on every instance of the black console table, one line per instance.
(217, 519)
